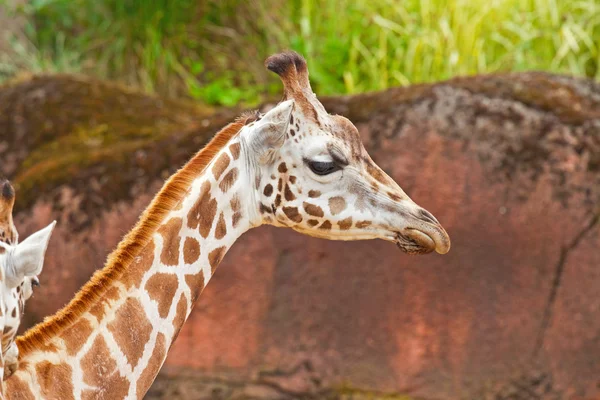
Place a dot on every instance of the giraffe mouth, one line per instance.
(418, 241)
(414, 242)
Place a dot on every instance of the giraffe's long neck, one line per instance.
(114, 348)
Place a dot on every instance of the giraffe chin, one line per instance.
(415, 242)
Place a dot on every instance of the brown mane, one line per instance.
(172, 192)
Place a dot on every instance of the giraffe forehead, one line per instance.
(338, 133)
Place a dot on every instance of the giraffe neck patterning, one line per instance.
(115, 348)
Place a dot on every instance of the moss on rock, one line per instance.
(58, 129)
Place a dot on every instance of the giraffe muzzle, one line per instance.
(423, 234)
(425, 238)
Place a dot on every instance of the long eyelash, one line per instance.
(339, 159)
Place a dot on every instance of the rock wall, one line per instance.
(510, 165)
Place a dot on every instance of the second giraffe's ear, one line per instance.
(28, 256)
(270, 131)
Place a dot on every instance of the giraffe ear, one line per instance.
(270, 131)
(28, 257)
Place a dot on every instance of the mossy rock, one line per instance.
(62, 128)
(105, 140)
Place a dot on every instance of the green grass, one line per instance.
(213, 50)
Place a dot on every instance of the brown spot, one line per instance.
(272, 176)
(161, 288)
(394, 196)
(179, 206)
(363, 224)
(314, 193)
(235, 150)
(131, 329)
(13, 314)
(220, 165)
(345, 224)
(215, 257)
(135, 272)
(325, 225)
(180, 316)
(312, 222)
(221, 229)
(55, 380)
(235, 203)
(291, 119)
(268, 190)
(228, 180)
(156, 361)
(282, 168)
(377, 173)
(191, 250)
(312, 209)
(16, 385)
(277, 200)
(292, 213)
(203, 212)
(236, 207)
(196, 284)
(2, 250)
(289, 196)
(235, 219)
(292, 132)
(337, 205)
(280, 185)
(99, 309)
(171, 241)
(98, 363)
(292, 179)
(264, 209)
(76, 336)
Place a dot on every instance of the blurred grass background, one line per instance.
(213, 50)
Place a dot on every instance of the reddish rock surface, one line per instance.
(510, 165)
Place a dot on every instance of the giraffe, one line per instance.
(296, 166)
(14, 303)
(19, 266)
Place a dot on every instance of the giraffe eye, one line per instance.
(323, 167)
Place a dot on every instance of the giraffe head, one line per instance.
(20, 263)
(10, 236)
(24, 261)
(313, 174)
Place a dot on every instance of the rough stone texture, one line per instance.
(510, 164)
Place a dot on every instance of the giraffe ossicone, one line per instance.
(295, 166)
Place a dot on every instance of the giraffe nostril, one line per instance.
(427, 216)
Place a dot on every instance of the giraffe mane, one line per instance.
(172, 193)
